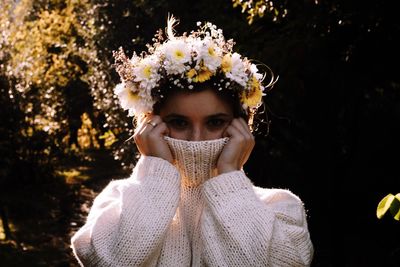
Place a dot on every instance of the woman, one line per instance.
(188, 201)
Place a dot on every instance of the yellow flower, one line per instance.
(211, 51)
(226, 64)
(253, 97)
(147, 71)
(179, 55)
(202, 75)
(191, 73)
(132, 96)
(127, 95)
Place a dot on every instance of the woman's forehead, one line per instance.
(205, 102)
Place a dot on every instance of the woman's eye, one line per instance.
(216, 123)
(177, 123)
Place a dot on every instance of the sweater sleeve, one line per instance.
(243, 225)
(129, 218)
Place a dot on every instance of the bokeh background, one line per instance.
(334, 115)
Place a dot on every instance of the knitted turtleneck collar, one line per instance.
(196, 160)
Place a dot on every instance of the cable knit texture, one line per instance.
(187, 215)
(196, 160)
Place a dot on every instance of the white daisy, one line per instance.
(143, 106)
(146, 72)
(135, 59)
(254, 71)
(127, 95)
(238, 71)
(177, 53)
(208, 53)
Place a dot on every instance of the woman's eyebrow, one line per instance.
(212, 116)
(219, 115)
(174, 116)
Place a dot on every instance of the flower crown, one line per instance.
(183, 62)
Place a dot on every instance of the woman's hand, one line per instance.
(149, 138)
(237, 151)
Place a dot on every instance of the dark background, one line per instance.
(334, 122)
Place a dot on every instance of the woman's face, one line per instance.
(196, 116)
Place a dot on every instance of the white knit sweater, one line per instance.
(180, 215)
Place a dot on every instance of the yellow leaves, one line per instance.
(19, 11)
(47, 48)
(258, 8)
(42, 50)
(54, 24)
(389, 203)
(109, 138)
(87, 135)
(73, 176)
(45, 123)
(61, 70)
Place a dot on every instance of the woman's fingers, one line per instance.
(151, 123)
(238, 149)
(230, 157)
(247, 138)
(149, 138)
(241, 126)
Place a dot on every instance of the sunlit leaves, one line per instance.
(87, 135)
(53, 55)
(260, 8)
(46, 45)
(44, 51)
(109, 138)
(389, 203)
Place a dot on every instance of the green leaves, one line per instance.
(392, 203)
